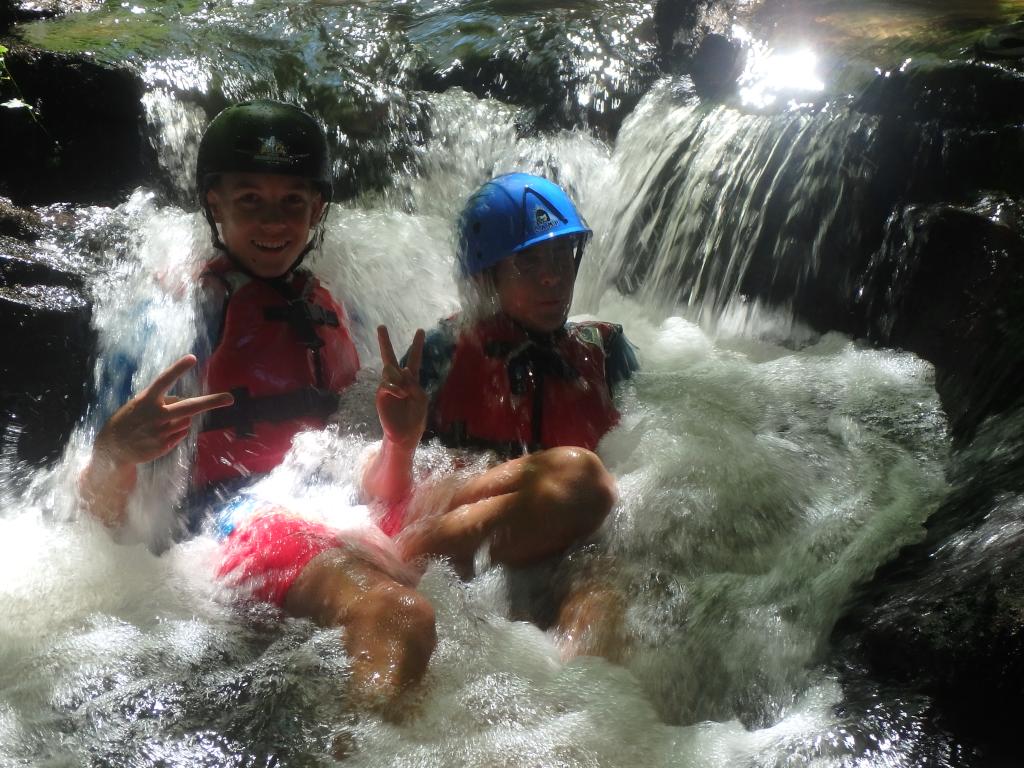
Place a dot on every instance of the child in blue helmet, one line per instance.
(279, 357)
(511, 375)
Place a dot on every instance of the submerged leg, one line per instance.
(591, 618)
(388, 627)
(525, 510)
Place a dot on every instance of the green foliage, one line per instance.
(9, 87)
(8, 84)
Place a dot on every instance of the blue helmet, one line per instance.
(509, 214)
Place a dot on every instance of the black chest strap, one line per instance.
(247, 410)
(300, 312)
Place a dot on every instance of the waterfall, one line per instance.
(716, 204)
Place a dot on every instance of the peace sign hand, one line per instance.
(153, 422)
(401, 401)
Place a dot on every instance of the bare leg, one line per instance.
(388, 627)
(528, 509)
(591, 621)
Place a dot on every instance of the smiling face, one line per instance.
(265, 219)
(535, 285)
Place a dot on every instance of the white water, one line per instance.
(763, 472)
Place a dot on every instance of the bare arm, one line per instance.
(402, 408)
(148, 426)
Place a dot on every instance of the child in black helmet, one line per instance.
(280, 355)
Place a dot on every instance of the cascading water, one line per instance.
(764, 472)
(731, 190)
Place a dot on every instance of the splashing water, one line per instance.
(764, 471)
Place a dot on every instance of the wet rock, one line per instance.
(48, 9)
(964, 93)
(360, 66)
(717, 65)
(568, 67)
(82, 136)
(946, 618)
(945, 280)
(19, 223)
(10, 13)
(14, 11)
(681, 27)
(948, 285)
(48, 350)
(946, 131)
(1005, 43)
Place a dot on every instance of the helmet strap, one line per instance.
(218, 243)
(314, 240)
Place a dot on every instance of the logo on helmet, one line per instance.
(542, 219)
(274, 151)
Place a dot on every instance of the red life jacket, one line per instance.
(513, 391)
(285, 354)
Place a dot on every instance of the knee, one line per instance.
(398, 611)
(416, 623)
(402, 619)
(578, 478)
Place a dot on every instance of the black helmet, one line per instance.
(264, 137)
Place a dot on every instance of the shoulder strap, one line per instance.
(620, 361)
(438, 351)
(215, 317)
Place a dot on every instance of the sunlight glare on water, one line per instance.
(770, 75)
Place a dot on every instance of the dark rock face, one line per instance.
(683, 25)
(14, 11)
(717, 65)
(948, 284)
(84, 140)
(965, 94)
(565, 65)
(45, 319)
(943, 133)
(946, 280)
(19, 223)
(946, 618)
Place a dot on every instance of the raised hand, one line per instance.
(401, 401)
(153, 422)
